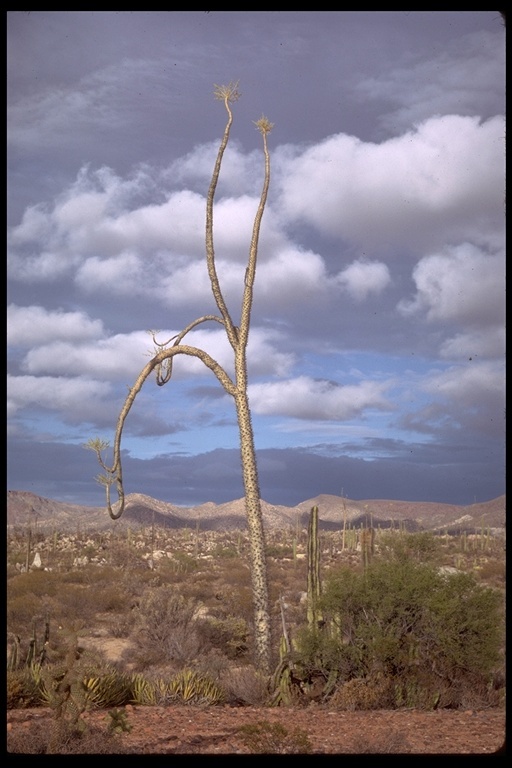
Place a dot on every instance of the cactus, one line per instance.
(118, 721)
(288, 681)
(367, 539)
(36, 654)
(14, 654)
(314, 585)
(282, 680)
(63, 688)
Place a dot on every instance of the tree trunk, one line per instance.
(256, 534)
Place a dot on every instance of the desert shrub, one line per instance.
(38, 583)
(199, 588)
(422, 546)
(279, 551)
(245, 686)
(22, 689)
(492, 572)
(36, 741)
(77, 601)
(264, 738)
(165, 628)
(120, 626)
(235, 574)
(233, 592)
(405, 621)
(111, 598)
(226, 551)
(374, 692)
(182, 563)
(228, 634)
(21, 611)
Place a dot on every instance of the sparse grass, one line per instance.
(35, 741)
(265, 738)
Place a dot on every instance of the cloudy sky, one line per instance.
(376, 354)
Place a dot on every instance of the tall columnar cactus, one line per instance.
(238, 336)
(14, 654)
(314, 584)
(36, 653)
(367, 540)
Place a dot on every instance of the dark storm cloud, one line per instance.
(287, 476)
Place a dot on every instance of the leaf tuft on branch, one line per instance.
(264, 125)
(228, 92)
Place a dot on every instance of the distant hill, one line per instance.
(24, 508)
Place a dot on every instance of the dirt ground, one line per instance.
(216, 730)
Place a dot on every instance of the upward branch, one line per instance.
(226, 93)
(264, 126)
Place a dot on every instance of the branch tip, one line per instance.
(228, 92)
(263, 125)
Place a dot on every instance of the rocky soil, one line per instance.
(216, 730)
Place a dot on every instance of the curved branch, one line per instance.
(116, 470)
(162, 379)
(182, 333)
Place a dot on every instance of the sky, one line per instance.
(376, 353)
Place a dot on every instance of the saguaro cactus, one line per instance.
(238, 336)
(314, 584)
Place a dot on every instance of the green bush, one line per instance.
(408, 623)
(422, 546)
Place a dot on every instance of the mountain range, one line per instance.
(25, 508)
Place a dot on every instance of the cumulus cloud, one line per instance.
(436, 181)
(121, 357)
(68, 394)
(467, 384)
(34, 325)
(117, 357)
(462, 284)
(469, 398)
(362, 278)
(242, 172)
(307, 398)
(293, 275)
(484, 343)
(122, 275)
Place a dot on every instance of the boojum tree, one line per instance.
(238, 335)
